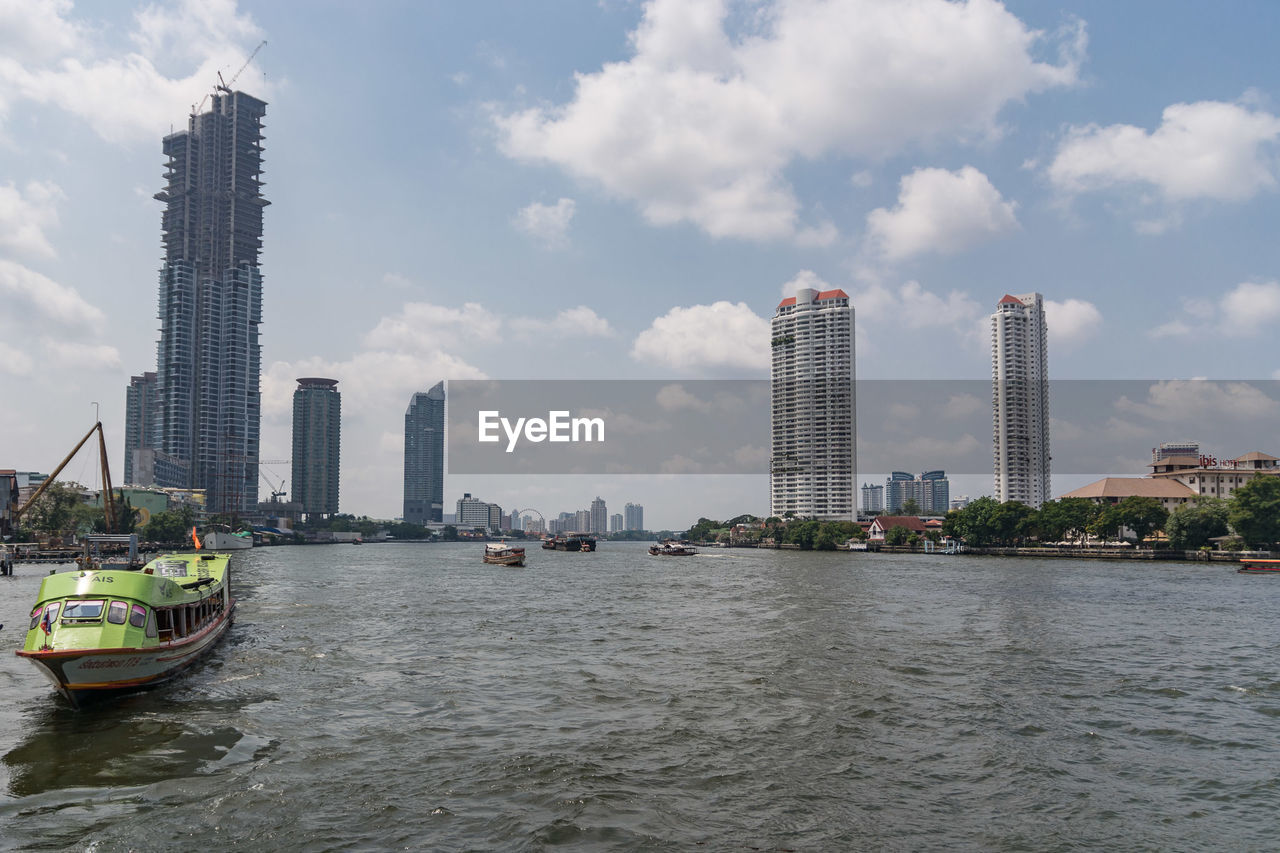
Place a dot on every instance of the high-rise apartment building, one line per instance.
(615, 523)
(872, 498)
(599, 516)
(208, 360)
(633, 517)
(317, 435)
(1020, 399)
(424, 457)
(931, 491)
(813, 465)
(141, 422)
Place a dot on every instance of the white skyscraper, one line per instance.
(813, 464)
(1020, 399)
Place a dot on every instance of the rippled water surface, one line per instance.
(410, 697)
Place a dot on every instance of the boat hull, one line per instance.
(219, 541)
(505, 560)
(82, 675)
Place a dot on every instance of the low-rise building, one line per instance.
(1112, 490)
(882, 524)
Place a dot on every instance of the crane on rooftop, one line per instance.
(225, 86)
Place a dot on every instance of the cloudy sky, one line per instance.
(617, 189)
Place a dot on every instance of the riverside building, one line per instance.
(1020, 400)
(813, 459)
(317, 441)
(424, 457)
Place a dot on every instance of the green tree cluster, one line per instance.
(986, 521)
(1254, 512)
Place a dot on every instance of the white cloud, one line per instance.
(1071, 321)
(1172, 329)
(1247, 309)
(700, 124)
(14, 361)
(941, 211)
(25, 214)
(423, 327)
(547, 223)
(35, 31)
(909, 305)
(573, 322)
(53, 301)
(723, 335)
(77, 355)
(675, 397)
(1204, 150)
(1181, 400)
(49, 58)
(1250, 307)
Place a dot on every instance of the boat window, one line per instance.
(138, 616)
(35, 617)
(116, 612)
(83, 611)
(151, 625)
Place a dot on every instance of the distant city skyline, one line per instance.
(574, 208)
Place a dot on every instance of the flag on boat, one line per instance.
(46, 623)
(195, 538)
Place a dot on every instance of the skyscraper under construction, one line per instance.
(208, 361)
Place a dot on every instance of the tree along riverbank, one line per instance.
(1101, 553)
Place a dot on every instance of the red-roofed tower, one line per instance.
(1020, 400)
(813, 460)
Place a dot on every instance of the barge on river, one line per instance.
(98, 631)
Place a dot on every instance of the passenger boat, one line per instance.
(502, 554)
(223, 540)
(97, 631)
(570, 542)
(1259, 567)
(671, 548)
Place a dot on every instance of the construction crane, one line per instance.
(108, 493)
(226, 86)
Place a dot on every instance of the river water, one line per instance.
(410, 697)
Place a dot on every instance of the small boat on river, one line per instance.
(96, 631)
(570, 542)
(671, 548)
(502, 554)
(1259, 567)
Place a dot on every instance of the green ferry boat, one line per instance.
(97, 631)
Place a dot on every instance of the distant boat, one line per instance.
(1259, 567)
(98, 631)
(502, 554)
(570, 542)
(221, 540)
(671, 548)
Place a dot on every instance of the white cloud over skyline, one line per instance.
(1204, 150)
(700, 124)
(940, 211)
(706, 339)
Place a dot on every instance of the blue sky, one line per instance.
(625, 190)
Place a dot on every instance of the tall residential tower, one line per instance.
(813, 465)
(317, 440)
(210, 306)
(424, 457)
(1020, 399)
